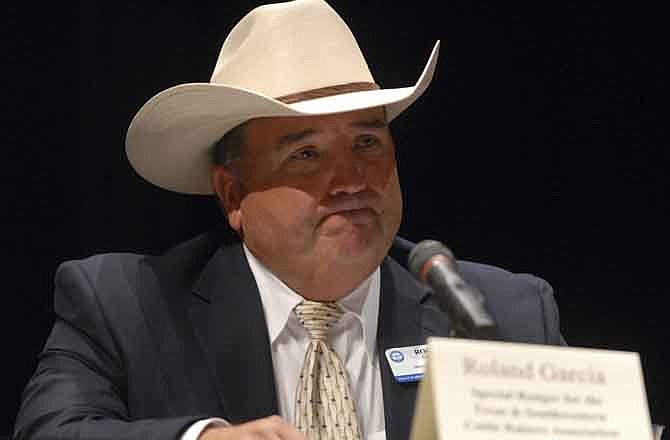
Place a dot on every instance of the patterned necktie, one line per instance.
(324, 409)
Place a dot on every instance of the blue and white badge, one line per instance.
(407, 363)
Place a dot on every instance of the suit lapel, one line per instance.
(163, 295)
(229, 323)
(407, 316)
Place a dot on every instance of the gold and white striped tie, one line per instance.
(324, 409)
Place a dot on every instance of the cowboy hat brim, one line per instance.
(170, 139)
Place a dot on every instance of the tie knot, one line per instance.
(318, 317)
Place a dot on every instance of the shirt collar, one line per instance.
(279, 300)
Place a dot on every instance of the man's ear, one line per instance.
(228, 188)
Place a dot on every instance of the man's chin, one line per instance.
(355, 245)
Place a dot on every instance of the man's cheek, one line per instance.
(385, 176)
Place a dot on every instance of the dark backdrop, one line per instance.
(540, 147)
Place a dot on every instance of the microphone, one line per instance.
(433, 264)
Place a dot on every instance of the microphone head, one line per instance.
(423, 252)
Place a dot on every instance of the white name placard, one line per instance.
(481, 390)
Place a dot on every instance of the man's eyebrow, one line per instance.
(291, 138)
(370, 123)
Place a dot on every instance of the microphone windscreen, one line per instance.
(424, 251)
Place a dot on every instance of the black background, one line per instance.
(541, 146)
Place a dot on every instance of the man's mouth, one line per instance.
(362, 215)
(349, 204)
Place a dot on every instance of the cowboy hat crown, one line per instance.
(276, 50)
(274, 53)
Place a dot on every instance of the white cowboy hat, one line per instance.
(275, 51)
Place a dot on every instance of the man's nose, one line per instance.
(348, 175)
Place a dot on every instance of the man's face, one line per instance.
(315, 193)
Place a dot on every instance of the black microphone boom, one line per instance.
(432, 263)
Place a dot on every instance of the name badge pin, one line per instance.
(407, 363)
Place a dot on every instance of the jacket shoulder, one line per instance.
(522, 304)
(479, 273)
(180, 264)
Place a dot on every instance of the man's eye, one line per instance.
(366, 141)
(304, 154)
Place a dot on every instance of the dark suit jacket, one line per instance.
(144, 346)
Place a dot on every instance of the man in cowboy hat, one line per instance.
(292, 136)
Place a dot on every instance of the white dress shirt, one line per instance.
(354, 339)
